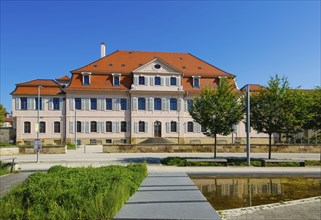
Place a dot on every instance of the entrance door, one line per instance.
(157, 129)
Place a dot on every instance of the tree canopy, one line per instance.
(2, 114)
(217, 110)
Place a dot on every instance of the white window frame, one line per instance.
(83, 78)
(114, 75)
(199, 81)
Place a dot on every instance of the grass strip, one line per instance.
(73, 193)
(181, 161)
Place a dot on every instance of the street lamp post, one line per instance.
(38, 123)
(248, 127)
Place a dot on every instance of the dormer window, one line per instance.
(196, 81)
(116, 79)
(86, 78)
(141, 80)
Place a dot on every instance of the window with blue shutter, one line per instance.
(23, 103)
(109, 104)
(173, 81)
(78, 103)
(116, 80)
(173, 104)
(141, 104)
(189, 104)
(93, 104)
(56, 103)
(86, 80)
(157, 81)
(157, 104)
(36, 100)
(141, 80)
(123, 104)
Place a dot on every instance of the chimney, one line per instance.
(102, 50)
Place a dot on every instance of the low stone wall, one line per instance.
(221, 148)
(44, 150)
(9, 151)
(7, 135)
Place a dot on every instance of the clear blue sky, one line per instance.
(251, 39)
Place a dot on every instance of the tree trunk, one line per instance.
(214, 146)
(270, 145)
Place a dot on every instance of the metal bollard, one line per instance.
(12, 165)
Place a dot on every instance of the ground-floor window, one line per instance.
(93, 126)
(123, 126)
(173, 126)
(42, 127)
(27, 127)
(190, 126)
(109, 126)
(78, 126)
(141, 126)
(56, 127)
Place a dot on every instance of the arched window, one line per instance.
(173, 104)
(157, 81)
(173, 81)
(109, 126)
(27, 127)
(93, 126)
(57, 127)
(190, 126)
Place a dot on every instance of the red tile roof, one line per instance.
(48, 87)
(63, 78)
(126, 61)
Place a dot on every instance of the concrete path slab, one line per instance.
(10, 181)
(167, 196)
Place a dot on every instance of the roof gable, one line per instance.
(156, 66)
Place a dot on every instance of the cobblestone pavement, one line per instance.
(303, 209)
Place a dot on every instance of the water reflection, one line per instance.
(227, 193)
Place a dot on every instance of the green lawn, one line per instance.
(73, 193)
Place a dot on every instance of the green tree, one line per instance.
(271, 109)
(2, 114)
(313, 103)
(217, 110)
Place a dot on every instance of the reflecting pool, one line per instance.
(228, 193)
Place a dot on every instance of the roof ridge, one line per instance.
(140, 51)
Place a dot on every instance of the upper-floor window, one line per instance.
(56, 127)
(56, 103)
(78, 126)
(141, 80)
(78, 103)
(196, 82)
(116, 79)
(40, 103)
(173, 126)
(86, 80)
(93, 104)
(190, 126)
(42, 127)
(93, 126)
(157, 104)
(157, 81)
(189, 104)
(109, 104)
(109, 126)
(141, 104)
(123, 126)
(123, 104)
(173, 81)
(27, 127)
(24, 103)
(173, 104)
(141, 126)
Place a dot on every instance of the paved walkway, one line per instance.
(309, 209)
(167, 196)
(7, 182)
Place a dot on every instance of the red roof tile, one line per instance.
(48, 87)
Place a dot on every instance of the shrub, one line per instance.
(73, 193)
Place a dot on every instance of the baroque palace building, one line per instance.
(124, 97)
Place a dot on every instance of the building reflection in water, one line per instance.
(226, 193)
